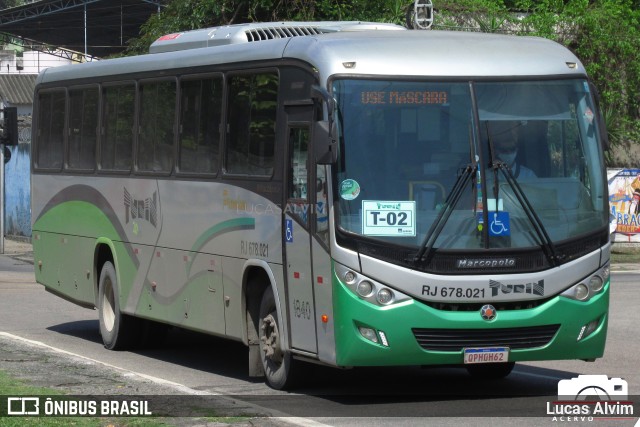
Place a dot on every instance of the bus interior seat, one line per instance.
(532, 153)
(426, 194)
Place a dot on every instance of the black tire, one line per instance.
(118, 330)
(490, 371)
(278, 364)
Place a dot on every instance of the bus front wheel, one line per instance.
(277, 363)
(118, 330)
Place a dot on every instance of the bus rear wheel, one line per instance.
(490, 371)
(118, 330)
(277, 363)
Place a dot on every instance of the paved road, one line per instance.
(202, 364)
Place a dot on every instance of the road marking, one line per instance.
(277, 415)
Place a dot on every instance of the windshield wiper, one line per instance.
(444, 214)
(547, 244)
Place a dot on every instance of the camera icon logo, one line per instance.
(599, 387)
(23, 406)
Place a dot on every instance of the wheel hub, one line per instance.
(270, 339)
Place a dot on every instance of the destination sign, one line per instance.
(392, 97)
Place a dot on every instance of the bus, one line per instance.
(330, 192)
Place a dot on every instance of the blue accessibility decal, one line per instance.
(499, 224)
(288, 230)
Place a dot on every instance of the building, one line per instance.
(31, 62)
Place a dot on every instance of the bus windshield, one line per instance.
(532, 147)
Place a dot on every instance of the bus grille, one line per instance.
(476, 306)
(457, 339)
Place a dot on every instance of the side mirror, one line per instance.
(325, 143)
(10, 126)
(325, 140)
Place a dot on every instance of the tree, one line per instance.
(7, 4)
(182, 15)
(604, 34)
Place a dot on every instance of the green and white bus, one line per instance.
(330, 192)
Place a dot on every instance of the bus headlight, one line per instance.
(589, 286)
(385, 296)
(350, 277)
(364, 288)
(596, 283)
(368, 289)
(369, 334)
(588, 329)
(373, 335)
(582, 292)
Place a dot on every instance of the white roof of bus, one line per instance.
(373, 52)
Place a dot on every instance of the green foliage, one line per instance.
(6, 4)
(488, 16)
(604, 34)
(182, 15)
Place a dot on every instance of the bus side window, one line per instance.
(298, 172)
(118, 111)
(156, 127)
(322, 212)
(51, 125)
(251, 123)
(83, 126)
(200, 116)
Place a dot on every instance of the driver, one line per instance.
(504, 137)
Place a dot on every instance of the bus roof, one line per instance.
(258, 31)
(410, 53)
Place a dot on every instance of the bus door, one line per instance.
(300, 224)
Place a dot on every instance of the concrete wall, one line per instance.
(17, 186)
(18, 192)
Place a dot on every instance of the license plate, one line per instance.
(486, 355)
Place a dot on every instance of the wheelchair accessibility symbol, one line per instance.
(288, 230)
(499, 224)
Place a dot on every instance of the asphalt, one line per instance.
(22, 250)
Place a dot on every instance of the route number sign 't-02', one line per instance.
(388, 218)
